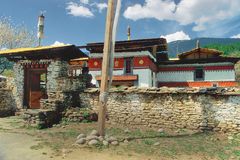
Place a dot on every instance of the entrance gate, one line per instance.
(35, 79)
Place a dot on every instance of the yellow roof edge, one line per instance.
(17, 50)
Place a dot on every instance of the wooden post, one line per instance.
(105, 68)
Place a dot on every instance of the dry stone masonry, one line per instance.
(18, 87)
(62, 92)
(172, 108)
(7, 103)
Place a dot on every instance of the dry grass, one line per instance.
(171, 144)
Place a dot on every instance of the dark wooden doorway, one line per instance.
(35, 80)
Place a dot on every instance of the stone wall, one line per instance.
(171, 108)
(18, 84)
(7, 102)
(63, 90)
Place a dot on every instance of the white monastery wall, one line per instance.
(182, 76)
(221, 75)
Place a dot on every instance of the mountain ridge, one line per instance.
(180, 46)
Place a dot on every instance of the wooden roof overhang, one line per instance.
(151, 45)
(201, 61)
(213, 52)
(65, 52)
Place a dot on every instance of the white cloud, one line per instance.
(236, 36)
(199, 12)
(101, 6)
(180, 35)
(84, 1)
(57, 43)
(79, 10)
(3, 49)
(158, 9)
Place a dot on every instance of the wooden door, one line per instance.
(35, 91)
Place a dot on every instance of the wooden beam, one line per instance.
(105, 68)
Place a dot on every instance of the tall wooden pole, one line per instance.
(105, 68)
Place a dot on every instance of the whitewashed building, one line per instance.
(135, 62)
(199, 67)
(145, 63)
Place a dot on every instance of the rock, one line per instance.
(178, 131)
(161, 130)
(81, 141)
(93, 142)
(230, 138)
(125, 141)
(156, 144)
(106, 137)
(100, 138)
(111, 139)
(126, 131)
(89, 138)
(114, 143)
(81, 136)
(105, 143)
(94, 133)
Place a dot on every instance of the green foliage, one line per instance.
(8, 73)
(148, 141)
(232, 50)
(86, 115)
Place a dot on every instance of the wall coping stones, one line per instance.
(165, 90)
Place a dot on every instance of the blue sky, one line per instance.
(83, 21)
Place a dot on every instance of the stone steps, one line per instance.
(39, 118)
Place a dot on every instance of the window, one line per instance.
(43, 82)
(199, 74)
(128, 69)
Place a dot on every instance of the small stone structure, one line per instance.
(215, 110)
(61, 91)
(7, 102)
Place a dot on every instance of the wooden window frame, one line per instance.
(196, 74)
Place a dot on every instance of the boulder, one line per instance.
(89, 138)
(114, 143)
(81, 141)
(93, 142)
(81, 136)
(111, 139)
(105, 143)
(156, 144)
(94, 133)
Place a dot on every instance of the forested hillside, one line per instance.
(228, 49)
(177, 47)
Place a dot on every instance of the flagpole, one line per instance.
(105, 68)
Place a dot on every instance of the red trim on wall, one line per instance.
(138, 63)
(207, 68)
(198, 84)
(121, 78)
(176, 69)
(118, 63)
(219, 68)
(95, 63)
(144, 63)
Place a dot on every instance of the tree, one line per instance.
(13, 36)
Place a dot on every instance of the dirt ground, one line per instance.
(21, 142)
